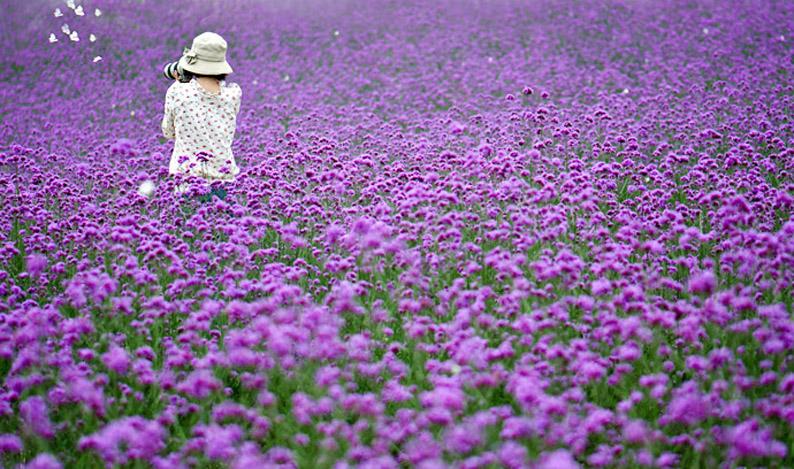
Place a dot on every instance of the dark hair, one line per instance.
(189, 75)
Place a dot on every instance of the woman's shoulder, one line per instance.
(177, 87)
(234, 89)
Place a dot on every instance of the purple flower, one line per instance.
(126, 439)
(601, 287)
(558, 459)
(445, 396)
(10, 443)
(703, 282)
(34, 413)
(43, 461)
(35, 263)
(199, 384)
(116, 359)
(687, 407)
(220, 441)
(635, 432)
(749, 439)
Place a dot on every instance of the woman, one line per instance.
(201, 114)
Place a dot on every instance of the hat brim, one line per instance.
(202, 67)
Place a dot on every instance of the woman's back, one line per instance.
(203, 124)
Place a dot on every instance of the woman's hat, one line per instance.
(207, 55)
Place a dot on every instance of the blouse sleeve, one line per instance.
(237, 100)
(168, 115)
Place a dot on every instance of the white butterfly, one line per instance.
(97, 58)
(57, 13)
(79, 11)
(92, 38)
(74, 37)
(65, 28)
(70, 4)
(97, 12)
(53, 38)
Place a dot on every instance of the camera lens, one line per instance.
(169, 69)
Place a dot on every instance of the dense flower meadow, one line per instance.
(466, 234)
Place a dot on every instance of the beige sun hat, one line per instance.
(207, 55)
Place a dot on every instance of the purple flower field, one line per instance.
(466, 233)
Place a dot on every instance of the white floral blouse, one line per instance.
(202, 123)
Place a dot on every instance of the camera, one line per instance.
(174, 71)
